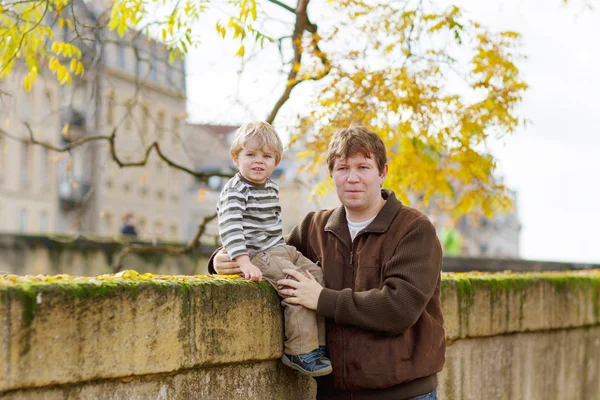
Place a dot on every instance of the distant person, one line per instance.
(250, 228)
(128, 228)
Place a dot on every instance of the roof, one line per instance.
(216, 129)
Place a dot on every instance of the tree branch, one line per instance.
(302, 24)
(203, 176)
(280, 4)
(145, 249)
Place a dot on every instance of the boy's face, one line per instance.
(255, 164)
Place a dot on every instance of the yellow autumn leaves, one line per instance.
(127, 275)
(26, 35)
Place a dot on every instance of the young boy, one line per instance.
(250, 230)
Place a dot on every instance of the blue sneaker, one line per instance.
(324, 354)
(311, 364)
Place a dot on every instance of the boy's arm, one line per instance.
(232, 204)
(249, 270)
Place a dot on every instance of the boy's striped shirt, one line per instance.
(249, 217)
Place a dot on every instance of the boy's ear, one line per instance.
(234, 157)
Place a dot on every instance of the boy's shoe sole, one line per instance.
(321, 372)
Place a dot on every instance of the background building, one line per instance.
(130, 87)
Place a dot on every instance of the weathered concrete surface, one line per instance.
(485, 304)
(138, 329)
(510, 336)
(32, 255)
(546, 365)
(267, 380)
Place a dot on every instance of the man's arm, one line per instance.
(409, 281)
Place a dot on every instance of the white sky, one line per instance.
(553, 164)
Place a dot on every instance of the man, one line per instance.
(381, 263)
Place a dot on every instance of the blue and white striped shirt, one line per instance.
(249, 217)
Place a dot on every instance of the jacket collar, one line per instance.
(338, 224)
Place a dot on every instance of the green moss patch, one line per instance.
(508, 284)
(28, 288)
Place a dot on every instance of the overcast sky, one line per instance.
(553, 164)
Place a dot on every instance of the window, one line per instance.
(44, 221)
(160, 124)
(23, 220)
(27, 106)
(3, 149)
(145, 117)
(138, 62)
(158, 229)
(109, 223)
(128, 116)
(176, 128)
(160, 194)
(142, 222)
(182, 75)
(45, 169)
(121, 62)
(110, 109)
(173, 231)
(169, 68)
(215, 183)
(154, 62)
(25, 164)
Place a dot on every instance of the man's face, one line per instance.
(255, 164)
(357, 181)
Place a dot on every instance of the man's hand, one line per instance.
(305, 290)
(250, 271)
(225, 265)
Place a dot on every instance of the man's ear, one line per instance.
(384, 172)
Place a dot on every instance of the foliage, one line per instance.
(434, 84)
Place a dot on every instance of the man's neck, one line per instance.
(363, 215)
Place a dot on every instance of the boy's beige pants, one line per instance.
(304, 331)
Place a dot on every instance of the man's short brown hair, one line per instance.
(353, 140)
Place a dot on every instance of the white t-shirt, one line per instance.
(355, 227)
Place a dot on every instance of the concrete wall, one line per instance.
(33, 255)
(527, 336)
(51, 254)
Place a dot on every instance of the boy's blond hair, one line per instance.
(263, 133)
(356, 139)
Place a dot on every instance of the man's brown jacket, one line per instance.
(382, 299)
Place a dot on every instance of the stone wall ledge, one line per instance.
(63, 330)
(73, 330)
(489, 304)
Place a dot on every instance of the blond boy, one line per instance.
(250, 229)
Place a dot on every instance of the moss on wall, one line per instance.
(498, 285)
(506, 285)
(27, 288)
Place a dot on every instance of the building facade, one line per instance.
(131, 90)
